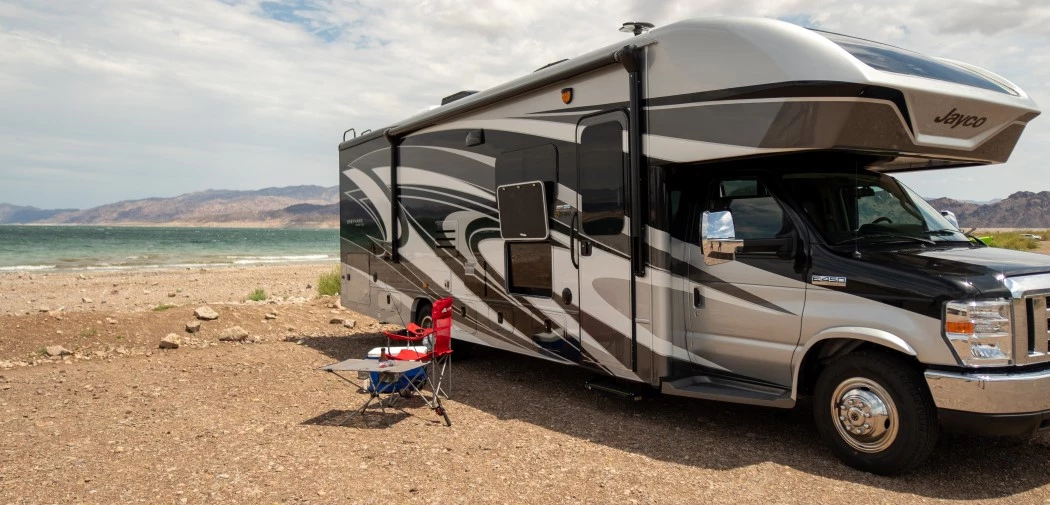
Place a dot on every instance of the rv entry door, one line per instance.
(601, 245)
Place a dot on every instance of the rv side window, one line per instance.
(529, 268)
(602, 179)
(756, 214)
(538, 163)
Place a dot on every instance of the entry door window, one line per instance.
(602, 164)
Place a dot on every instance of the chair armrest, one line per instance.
(403, 337)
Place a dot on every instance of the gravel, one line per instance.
(120, 421)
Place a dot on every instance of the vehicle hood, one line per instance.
(983, 268)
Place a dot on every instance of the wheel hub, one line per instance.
(865, 415)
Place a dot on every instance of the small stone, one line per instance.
(271, 315)
(172, 294)
(110, 320)
(233, 334)
(57, 350)
(193, 327)
(45, 309)
(336, 320)
(205, 313)
(350, 323)
(253, 339)
(170, 341)
(85, 300)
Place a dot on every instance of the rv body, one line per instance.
(706, 209)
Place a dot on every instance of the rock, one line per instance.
(193, 327)
(336, 320)
(85, 300)
(172, 294)
(233, 334)
(309, 286)
(205, 313)
(253, 339)
(57, 350)
(271, 315)
(45, 309)
(170, 341)
(350, 323)
(110, 320)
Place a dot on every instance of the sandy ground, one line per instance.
(122, 421)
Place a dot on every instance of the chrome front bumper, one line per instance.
(986, 393)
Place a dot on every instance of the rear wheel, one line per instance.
(874, 411)
(424, 318)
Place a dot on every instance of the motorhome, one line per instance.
(708, 209)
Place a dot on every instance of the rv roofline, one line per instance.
(605, 56)
(564, 70)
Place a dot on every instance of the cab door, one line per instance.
(745, 314)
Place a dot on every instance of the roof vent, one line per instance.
(636, 27)
(456, 96)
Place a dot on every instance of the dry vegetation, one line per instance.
(217, 422)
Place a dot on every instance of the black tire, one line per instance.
(856, 383)
(461, 350)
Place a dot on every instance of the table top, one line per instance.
(371, 365)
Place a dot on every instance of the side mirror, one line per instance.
(950, 216)
(718, 237)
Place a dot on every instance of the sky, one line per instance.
(103, 101)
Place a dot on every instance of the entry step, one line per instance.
(610, 385)
(728, 390)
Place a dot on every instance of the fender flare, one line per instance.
(860, 333)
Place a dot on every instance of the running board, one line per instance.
(728, 390)
(612, 386)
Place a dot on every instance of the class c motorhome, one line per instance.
(708, 209)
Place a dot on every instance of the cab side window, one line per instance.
(756, 214)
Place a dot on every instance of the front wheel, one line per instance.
(873, 410)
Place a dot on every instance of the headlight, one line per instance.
(980, 331)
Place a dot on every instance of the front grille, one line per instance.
(1033, 334)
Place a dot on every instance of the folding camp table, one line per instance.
(389, 376)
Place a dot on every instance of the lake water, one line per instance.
(33, 248)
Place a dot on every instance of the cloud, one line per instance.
(133, 98)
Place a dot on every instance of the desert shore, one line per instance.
(120, 420)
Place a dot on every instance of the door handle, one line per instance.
(698, 300)
(572, 240)
(585, 247)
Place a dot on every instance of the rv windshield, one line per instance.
(868, 208)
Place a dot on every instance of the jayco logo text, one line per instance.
(955, 119)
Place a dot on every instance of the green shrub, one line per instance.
(328, 283)
(164, 306)
(258, 295)
(1012, 240)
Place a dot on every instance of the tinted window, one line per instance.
(539, 163)
(602, 179)
(756, 215)
(900, 61)
(529, 268)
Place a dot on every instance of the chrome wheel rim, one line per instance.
(864, 415)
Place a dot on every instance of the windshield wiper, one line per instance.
(971, 238)
(893, 236)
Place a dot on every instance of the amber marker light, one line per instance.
(959, 327)
(566, 95)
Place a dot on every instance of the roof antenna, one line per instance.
(636, 27)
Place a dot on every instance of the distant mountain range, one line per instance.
(1023, 209)
(316, 206)
(293, 206)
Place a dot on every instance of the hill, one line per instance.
(14, 214)
(1023, 209)
(268, 207)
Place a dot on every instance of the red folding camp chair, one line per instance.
(439, 353)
